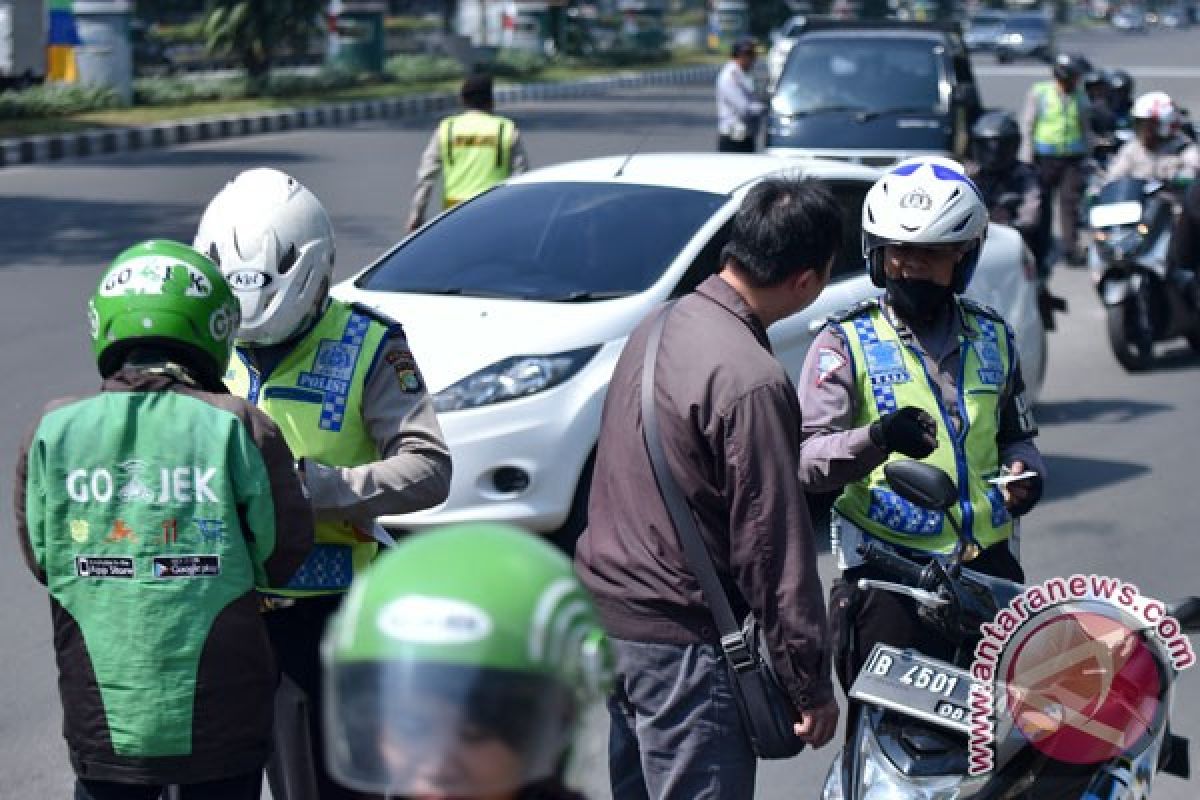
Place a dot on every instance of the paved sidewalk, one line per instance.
(80, 144)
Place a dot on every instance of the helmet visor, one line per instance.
(405, 727)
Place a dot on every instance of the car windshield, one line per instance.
(1028, 25)
(554, 241)
(986, 21)
(870, 74)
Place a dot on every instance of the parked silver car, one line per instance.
(982, 32)
(1026, 36)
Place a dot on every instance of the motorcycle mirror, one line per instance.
(1187, 613)
(921, 484)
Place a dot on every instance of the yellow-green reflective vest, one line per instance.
(889, 375)
(1057, 129)
(476, 152)
(315, 396)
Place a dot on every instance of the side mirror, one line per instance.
(922, 484)
(1187, 613)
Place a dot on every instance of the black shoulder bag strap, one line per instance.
(766, 711)
(698, 558)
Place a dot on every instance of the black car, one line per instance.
(875, 92)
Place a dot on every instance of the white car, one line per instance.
(518, 303)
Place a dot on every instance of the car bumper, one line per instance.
(547, 438)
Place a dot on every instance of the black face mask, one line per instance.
(917, 301)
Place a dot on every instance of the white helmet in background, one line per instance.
(927, 200)
(273, 242)
(1159, 107)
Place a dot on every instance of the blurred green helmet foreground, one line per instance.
(458, 664)
(166, 294)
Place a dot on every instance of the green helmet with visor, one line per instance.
(166, 294)
(458, 664)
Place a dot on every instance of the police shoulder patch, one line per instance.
(976, 307)
(394, 327)
(404, 367)
(858, 309)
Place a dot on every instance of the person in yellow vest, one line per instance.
(341, 382)
(920, 372)
(1057, 124)
(472, 151)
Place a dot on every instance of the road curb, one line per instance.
(24, 150)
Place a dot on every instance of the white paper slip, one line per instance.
(1004, 480)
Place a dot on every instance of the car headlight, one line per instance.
(519, 376)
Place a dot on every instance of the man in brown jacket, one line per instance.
(730, 424)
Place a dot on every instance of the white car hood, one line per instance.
(452, 337)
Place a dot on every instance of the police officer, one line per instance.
(1057, 127)
(923, 373)
(472, 151)
(459, 666)
(343, 385)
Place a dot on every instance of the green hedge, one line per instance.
(60, 101)
(518, 64)
(177, 91)
(56, 101)
(422, 69)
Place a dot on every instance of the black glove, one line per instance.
(910, 431)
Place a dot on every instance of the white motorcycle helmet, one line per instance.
(927, 200)
(273, 242)
(1160, 108)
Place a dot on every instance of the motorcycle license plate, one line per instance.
(915, 685)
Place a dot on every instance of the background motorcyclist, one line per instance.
(1120, 97)
(1159, 151)
(1102, 118)
(1010, 187)
(1012, 192)
(458, 666)
(918, 373)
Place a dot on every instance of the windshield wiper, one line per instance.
(458, 291)
(827, 110)
(867, 116)
(585, 297)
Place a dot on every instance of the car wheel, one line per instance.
(566, 536)
(1003, 57)
(1193, 339)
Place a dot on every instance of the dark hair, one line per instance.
(476, 91)
(744, 46)
(785, 225)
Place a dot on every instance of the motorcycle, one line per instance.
(910, 741)
(1145, 300)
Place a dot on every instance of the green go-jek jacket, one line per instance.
(152, 511)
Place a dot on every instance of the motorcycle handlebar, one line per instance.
(895, 565)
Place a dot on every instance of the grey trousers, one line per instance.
(675, 732)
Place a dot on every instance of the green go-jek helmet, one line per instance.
(165, 293)
(458, 664)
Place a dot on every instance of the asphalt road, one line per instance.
(1121, 498)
